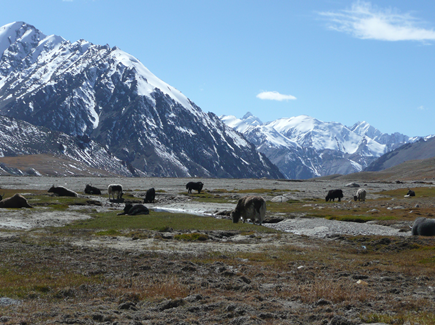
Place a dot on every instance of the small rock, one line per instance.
(279, 199)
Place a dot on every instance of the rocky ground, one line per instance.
(313, 272)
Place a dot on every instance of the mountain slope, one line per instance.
(83, 89)
(19, 138)
(422, 149)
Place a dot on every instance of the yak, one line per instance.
(194, 186)
(62, 191)
(249, 207)
(334, 194)
(92, 190)
(150, 196)
(133, 210)
(423, 227)
(360, 195)
(115, 189)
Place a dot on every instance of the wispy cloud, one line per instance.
(365, 21)
(274, 95)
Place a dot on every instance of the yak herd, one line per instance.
(248, 208)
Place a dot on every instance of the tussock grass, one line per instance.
(149, 288)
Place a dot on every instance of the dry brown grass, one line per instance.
(148, 288)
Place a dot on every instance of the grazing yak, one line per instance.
(133, 210)
(115, 190)
(194, 186)
(16, 201)
(410, 193)
(92, 190)
(334, 194)
(62, 191)
(360, 195)
(423, 227)
(150, 196)
(250, 207)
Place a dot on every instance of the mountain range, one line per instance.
(97, 110)
(109, 98)
(304, 147)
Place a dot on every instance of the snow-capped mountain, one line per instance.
(305, 147)
(391, 141)
(106, 94)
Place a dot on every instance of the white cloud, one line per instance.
(274, 95)
(365, 21)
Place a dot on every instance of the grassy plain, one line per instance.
(371, 279)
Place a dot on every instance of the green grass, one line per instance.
(160, 220)
(109, 232)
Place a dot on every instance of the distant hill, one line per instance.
(418, 150)
(420, 170)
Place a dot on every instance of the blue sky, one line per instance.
(342, 61)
